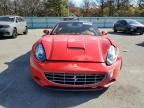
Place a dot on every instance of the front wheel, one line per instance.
(14, 34)
(115, 30)
(141, 33)
(26, 31)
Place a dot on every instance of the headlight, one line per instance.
(5, 26)
(40, 53)
(111, 57)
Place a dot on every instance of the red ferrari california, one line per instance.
(75, 55)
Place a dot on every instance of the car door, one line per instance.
(118, 25)
(18, 25)
(23, 24)
(123, 25)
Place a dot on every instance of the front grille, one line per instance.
(74, 79)
(1, 26)
(140, 29)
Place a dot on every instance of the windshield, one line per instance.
(7, 19)
(75, 28)
(133, 22)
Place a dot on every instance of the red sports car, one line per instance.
(75, 55)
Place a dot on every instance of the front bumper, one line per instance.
(137, 29)
(39, 69)
(5, 32)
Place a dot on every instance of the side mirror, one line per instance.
(46, 32)
(103, 33)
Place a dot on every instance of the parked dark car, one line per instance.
(129, 26)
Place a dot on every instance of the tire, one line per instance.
(115, 30)
(14, 34)
(26, 31)
(141, 33)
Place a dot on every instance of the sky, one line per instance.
(79, 3)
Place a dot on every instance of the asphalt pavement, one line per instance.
(18, 90)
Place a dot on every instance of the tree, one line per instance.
(59, 8)
(55, 7)
(120, 7)
(73, 11)
(28, 7)
(86, 8)
(102, 7)
(141, 3)
(4, 4)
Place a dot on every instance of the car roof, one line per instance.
(127, 20)
(10, 16)
(76, 21)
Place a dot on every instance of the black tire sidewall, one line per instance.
(115, 30)
(141, 33)
(26, 31)
(14, 34)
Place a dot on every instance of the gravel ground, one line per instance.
(17, 90)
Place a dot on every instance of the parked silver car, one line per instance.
(12, 26)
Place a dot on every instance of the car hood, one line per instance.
(137, 25)
(76, 48)
(5, 23)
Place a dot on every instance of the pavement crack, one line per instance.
(7, 86)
